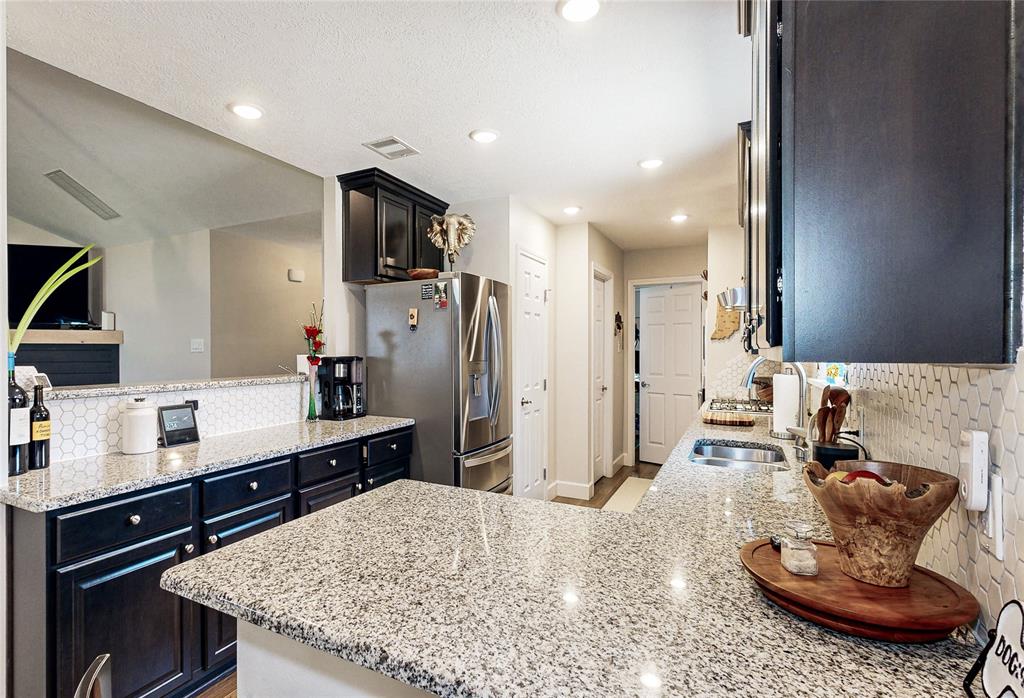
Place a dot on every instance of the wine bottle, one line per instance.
(39, 449)
(18, 427)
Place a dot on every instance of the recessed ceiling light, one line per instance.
(484, 135)
(651, 164)
(679, 218)
(578, 10)
(246, 111)
(571, 210)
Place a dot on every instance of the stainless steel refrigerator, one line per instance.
(437, 351)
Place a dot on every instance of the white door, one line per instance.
(670, 366)
(531, 359)
(601, 380)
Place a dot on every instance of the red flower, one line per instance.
(313, 360)
(312, 331)
(317, 345)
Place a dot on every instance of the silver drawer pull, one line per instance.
(359, 486)
(370, 482)
(189, 548)
(333, 462)
(134, 519)
(394, 447)
(213, 539)
(254, 485)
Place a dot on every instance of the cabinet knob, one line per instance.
(213, 539)
(134, 519)
(359, 487)
(370, 482)
(333, 462)
(394, 447)
(254, 485)
(189, 548)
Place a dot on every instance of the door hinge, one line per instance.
(547, 291)
(545, 384)
(545, 474)
(778, 30)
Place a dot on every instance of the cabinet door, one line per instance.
(113, 604)
(380, 475)
(896, 236)
(428, 255)
(219, 628)
(395, 245)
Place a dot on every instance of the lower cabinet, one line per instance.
(219, 629)
(86, 579)
(113, 604)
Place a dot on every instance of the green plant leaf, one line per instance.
(52, 284)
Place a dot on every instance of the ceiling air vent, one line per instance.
(392, 148)
(85, 197)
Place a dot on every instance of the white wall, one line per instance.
(725, 269)
(689, 260)
(488, 252)
(21, 233)
(160, 290)
(344, 304)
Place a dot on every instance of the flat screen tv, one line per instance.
(28, 268)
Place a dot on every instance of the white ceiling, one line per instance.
(163, 175)
(577, 105)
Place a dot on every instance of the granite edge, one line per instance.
(41, 505)
(89, 391)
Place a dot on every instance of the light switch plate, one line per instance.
(992, 524)
(197, 346)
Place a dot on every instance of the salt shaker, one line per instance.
(799, 554)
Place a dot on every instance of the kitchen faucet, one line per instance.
(801, 417)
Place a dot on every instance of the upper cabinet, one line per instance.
(901, 193)
(385, 227)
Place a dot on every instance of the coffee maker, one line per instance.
(342, 387)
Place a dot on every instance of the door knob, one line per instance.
(604, 388)
(644, 384)
(524, 402)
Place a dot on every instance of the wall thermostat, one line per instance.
(974, 465)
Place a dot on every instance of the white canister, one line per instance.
(138, 427)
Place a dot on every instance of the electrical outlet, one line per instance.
(992, 524)
(197, 346)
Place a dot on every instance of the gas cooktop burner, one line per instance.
(726, 405)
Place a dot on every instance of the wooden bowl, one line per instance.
(879, 529)
(422, 274)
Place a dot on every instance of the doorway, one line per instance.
(667, 318)
(601, 371)
(531, 372)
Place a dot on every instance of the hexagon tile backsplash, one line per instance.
(92, 425)
(914, 414)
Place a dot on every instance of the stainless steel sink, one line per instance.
(739, 457)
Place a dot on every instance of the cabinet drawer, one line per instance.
(389, 472)
(327, 463)
(238, 489)
(328, 493)
(109, 525)
(390, 447)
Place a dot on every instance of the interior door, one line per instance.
(670, 366)
(531, 360)
(600, 381)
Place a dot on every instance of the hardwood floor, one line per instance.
(225, 688)
(606, 486)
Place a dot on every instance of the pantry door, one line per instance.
(670, 365)
(531, 371)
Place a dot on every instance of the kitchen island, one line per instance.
(464, 593)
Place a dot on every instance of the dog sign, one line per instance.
(1001, 663)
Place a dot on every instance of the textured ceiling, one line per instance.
(163, 175)
(577, 105)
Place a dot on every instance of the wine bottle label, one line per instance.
(41, 430)
(20, 431)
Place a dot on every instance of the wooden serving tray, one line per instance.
(929, 609)
(728, 419)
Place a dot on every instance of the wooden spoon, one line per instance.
(839, 397)
(825, 392)
(838, 417)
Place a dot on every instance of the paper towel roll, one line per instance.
(786, 389)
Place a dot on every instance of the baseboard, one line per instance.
(574, 490)
(552, 490)
(619, 462)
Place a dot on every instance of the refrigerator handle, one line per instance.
(498, 361)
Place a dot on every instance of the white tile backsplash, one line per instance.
(92, 425)
(914, 414)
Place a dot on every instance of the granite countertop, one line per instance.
(95, 477)
(466, 593)
(84, 391)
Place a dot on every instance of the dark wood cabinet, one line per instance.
(113, 604)
(385, 226)
(901, 189)
(86, 579)
(218, 628)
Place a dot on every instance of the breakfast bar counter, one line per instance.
(465, 593)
